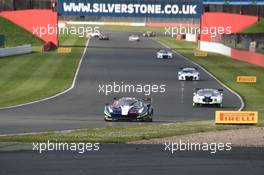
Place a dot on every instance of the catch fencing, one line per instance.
(244, 41)
(6, 5)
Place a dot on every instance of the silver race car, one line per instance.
(188, 74)
(94, 34)
(133, 38)
(103, 36)
(164, 54)
(129, 109)
(208, 96)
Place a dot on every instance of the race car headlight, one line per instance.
(143, 111)
(110, 109)
(198, 98)
(140, 110)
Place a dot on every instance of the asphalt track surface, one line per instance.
(117, 60)
(134, 159)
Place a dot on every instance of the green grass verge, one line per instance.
(226, 70)
(256, 28)
(30, 77)
(16, 35)
(122, 134)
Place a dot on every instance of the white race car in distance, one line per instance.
(208, 97)
(188, 74)
(164, 54)
(94, 34)
(133, 38)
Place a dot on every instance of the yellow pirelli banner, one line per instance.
(64, 50)
(246, 79)
(199, 53)
(236, 117)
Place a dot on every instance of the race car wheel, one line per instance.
(106, 119)
(149, 119)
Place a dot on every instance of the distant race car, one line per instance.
(164, 54)
(188, 74)
(208, 96)
(149, 34)
(133, 38)
(103, 37)
(129, 109)
(94, 34)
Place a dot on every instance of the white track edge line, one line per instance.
(60, 93)
(231, 90)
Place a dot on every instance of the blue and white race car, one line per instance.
(129, 109)
(188, 73)
(208, 96)
(164, 54)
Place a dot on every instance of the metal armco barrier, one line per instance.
(2, 41)
(15, 50)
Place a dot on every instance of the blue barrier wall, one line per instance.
(132, 8)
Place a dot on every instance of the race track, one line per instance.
(117, 60)
(134, 159)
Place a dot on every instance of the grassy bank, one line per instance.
(122, 134)
(256, 28)
(227, 69)
(16, 35)
(35, 76)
